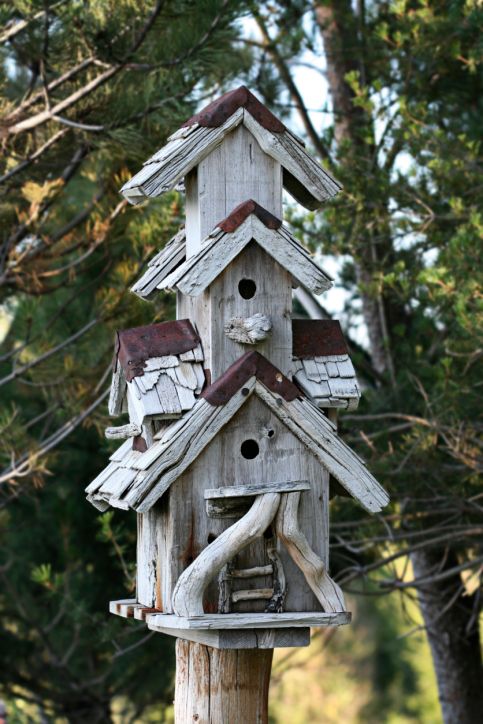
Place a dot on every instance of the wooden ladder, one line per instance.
(274, 595)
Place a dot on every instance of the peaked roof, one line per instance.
(303, 177)
(323, 368)
(136, 345)
(218, 111)
(146, 352)
(247, 222)
(162, 264)
(137, 480)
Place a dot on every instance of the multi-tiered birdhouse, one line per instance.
(230, 451)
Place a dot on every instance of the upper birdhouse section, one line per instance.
(213, 144)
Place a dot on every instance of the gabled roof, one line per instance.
(162, 264)
(247, 222)
(137, 480)
(323, 368)
(157, 371)
(303, 177)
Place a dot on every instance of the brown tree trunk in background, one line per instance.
(452, 626)
(338, 28)
(453, 635)
(216, 686)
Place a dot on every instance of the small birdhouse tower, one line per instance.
(230, 451)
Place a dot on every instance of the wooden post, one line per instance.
(221, 686)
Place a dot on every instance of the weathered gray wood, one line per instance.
(148, 574)
(219, 638)
(287, 528)
(217, 250)
(234, 491)
(252, 594)
(191, 529)
(123, 431)
(216, 686)
(117, 391)
(243, 639)
(235, 171)
(249, 330)
(329, 381)
(162, 264)
(303, 177)
(183, 441)
(317, 432)
(251, 572)
(187, 599)
(249, 620)
(124, 607)
(221, 302)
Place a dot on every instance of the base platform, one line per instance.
(233, 630)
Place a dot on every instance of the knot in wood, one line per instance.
(249, 330)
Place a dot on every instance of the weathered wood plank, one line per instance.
(210, 621)
(234, 491)
(288, 530)
(219, 249)
(187, 599)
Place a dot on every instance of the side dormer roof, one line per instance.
(323, 368)
(138, 479)
(157, 371)
(303, 177)
(247, 222)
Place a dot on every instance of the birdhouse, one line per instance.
(231, 451)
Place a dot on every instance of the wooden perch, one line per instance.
(187, 597)
(123, 431)
(327, 592)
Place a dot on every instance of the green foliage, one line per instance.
(70, 250)
(407, 230)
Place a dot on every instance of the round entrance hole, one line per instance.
(247, 288)
(249, 449)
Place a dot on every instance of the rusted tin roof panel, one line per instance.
(135, 346)
(242, 211)
(317, 338)
(251, 364)
(217, 112)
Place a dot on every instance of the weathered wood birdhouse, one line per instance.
(230, 449)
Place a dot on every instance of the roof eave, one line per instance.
(308, 182)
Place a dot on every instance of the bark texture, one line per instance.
(453, 635)
(215, 686)
(452, 625)
(352, 126)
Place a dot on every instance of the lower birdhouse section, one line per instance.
(235, 553)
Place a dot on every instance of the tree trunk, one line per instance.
(453, 634)
(221, 686)
(352, 125)
(451, 622)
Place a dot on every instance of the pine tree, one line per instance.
(90, 90)
(405, 93)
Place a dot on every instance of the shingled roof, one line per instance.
(303, 177)
(247, 222)
(323, 368)
(157, 371)
(138, 479)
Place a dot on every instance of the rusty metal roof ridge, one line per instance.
(242, 211)
(136, 345)
(217, 112)
(251, 364)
